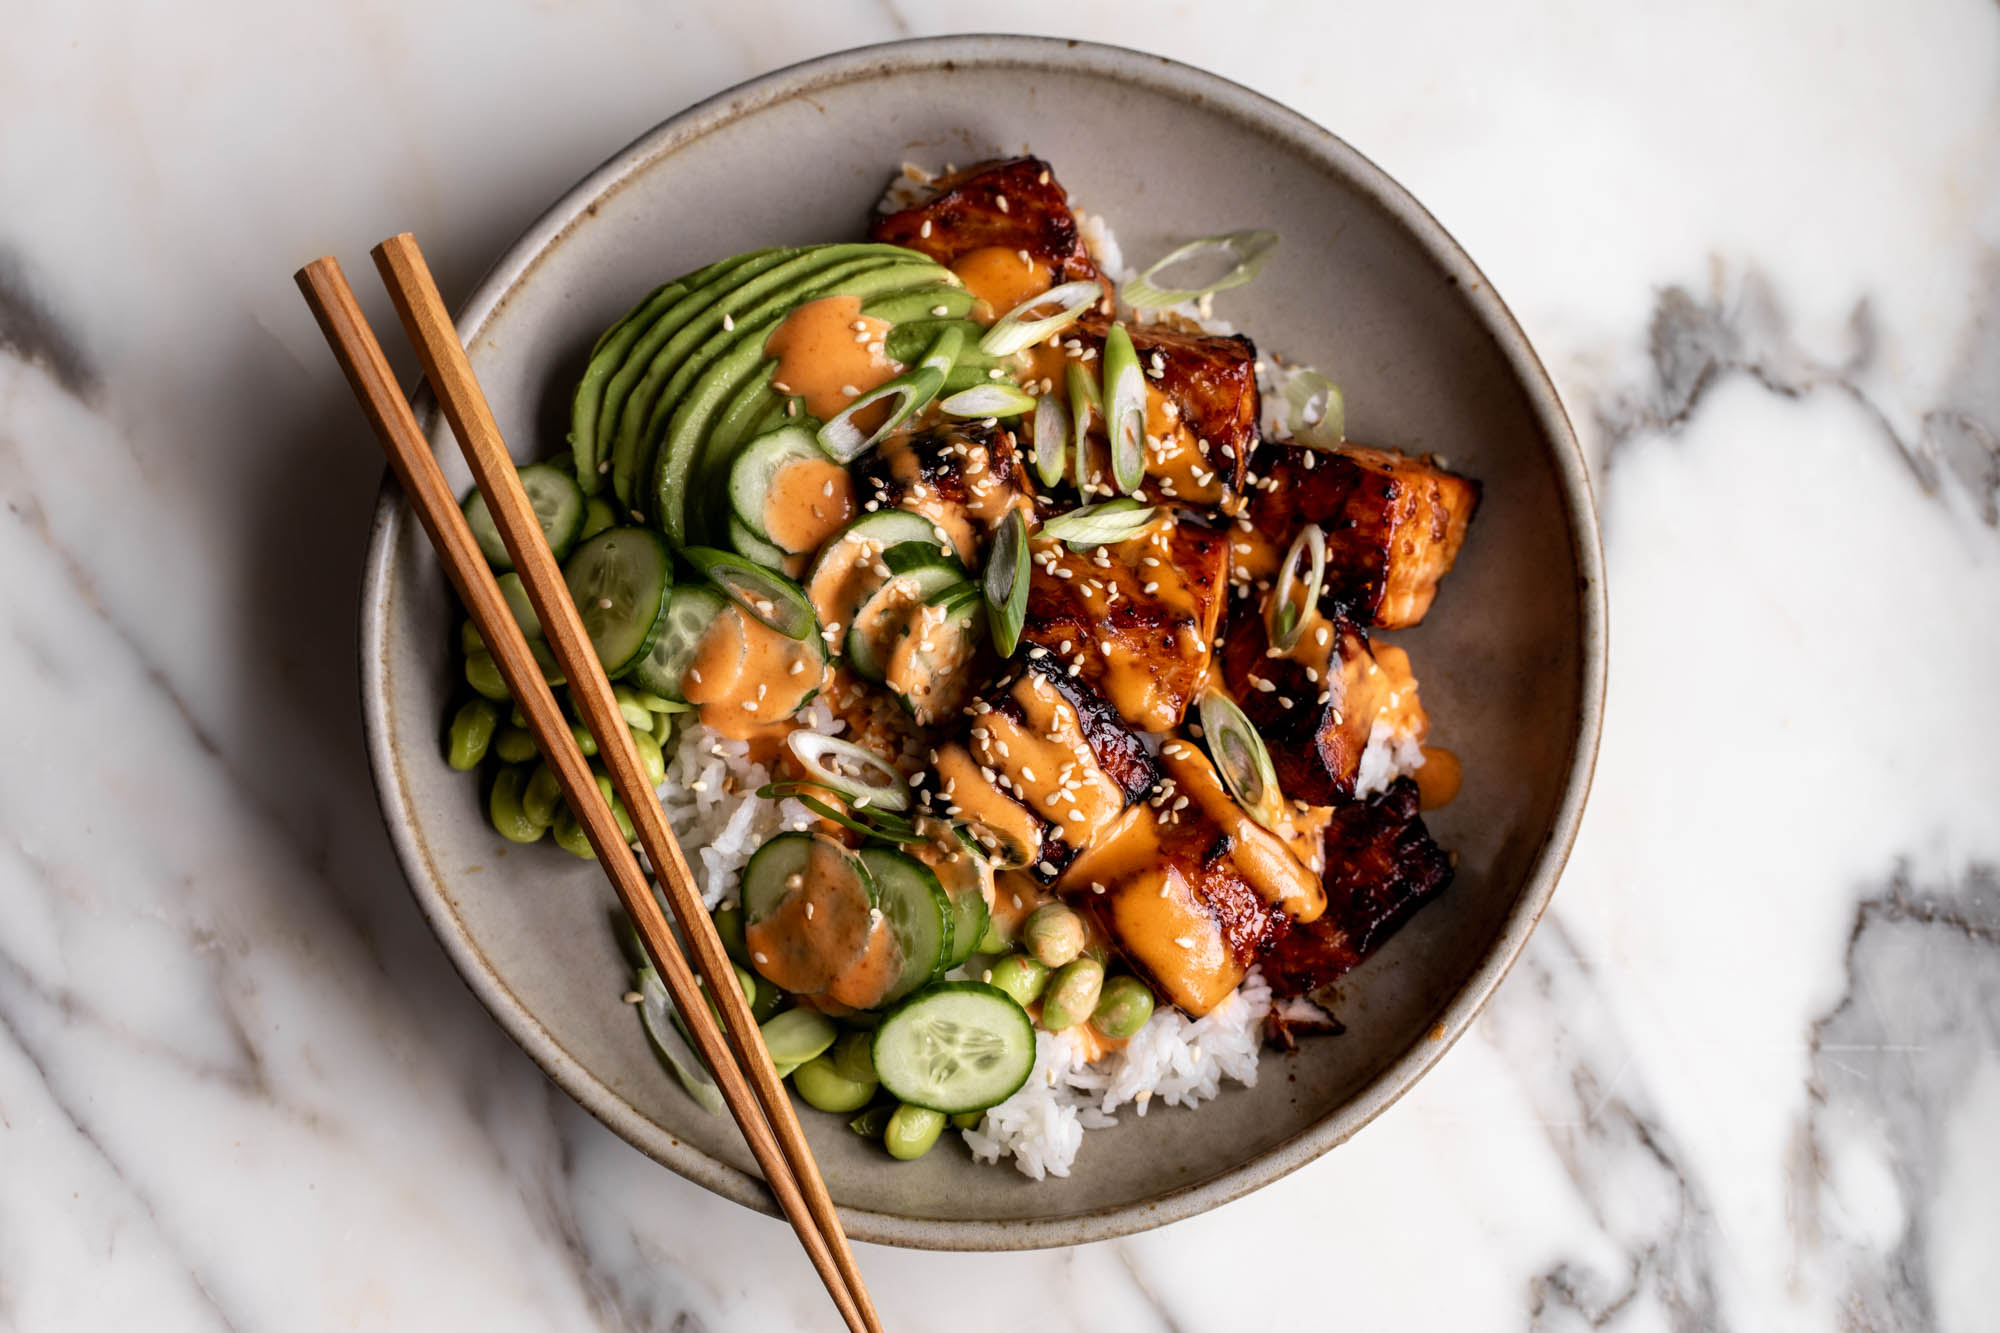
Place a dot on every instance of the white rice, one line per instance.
(711, 800)
(1390, 754)
(1174, 1059)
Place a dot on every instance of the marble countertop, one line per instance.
(1746, 1075)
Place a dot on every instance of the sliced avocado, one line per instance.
(908, 341)
(922, 303)
(668, 369)
(698, 291)
(605, 359)
(686, 456)
(738, 422)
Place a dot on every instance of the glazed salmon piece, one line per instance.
(998, 225)
(1394, 526)
(963, 477)
(1202, 407)
(1134, 620)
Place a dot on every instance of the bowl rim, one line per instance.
(1263, 116)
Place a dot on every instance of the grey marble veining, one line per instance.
(1746, 1075)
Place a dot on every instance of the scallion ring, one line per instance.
(1241, 758)
(1095, 525)
(913, 390)
(1051, 440)
(1315, 412)
(1249, 249)
(772, 598)
(1288, 615)
(859, 777)
(1006, 583)
(889, 828)
(1014, 330)
(996, 398)
(1124, 410)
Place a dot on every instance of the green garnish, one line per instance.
(1098, 524)
(1249, 249)
(996, 398)
(1051, 440)
(1288, 615)
(1315, 412)
(772, 598)
(913, 391)
(1014, 331)
(1124, 410)
(1007, 583)
(1240, 756)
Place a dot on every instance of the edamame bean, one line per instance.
(584, 740)
(729, 925)
(746, 981)
(469, 641)
(797, 1035)
(618, 810)
(514, 745)
(966, 1120)
(769, 1000)
(1020, 976)
(545, 658)
(663, 728)
(1053, 935)
(911, 1132)
(652, 703)
(483, 674)
(637, 716)
(1122, 1008)
(1072, 994)
(471, 733)
(541, 799)
(570, 836)
(650, 758)
(854, 1057)
(871, 1122)
(503, 807)
(825, 1087)
(597, 516)
(516, 593)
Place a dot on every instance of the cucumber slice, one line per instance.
(844, 575)
(757, 465)
(621, 581)
(516, 594)
(808, 911)
(970, 912)
(691, 611)
(918, 912)
(769, 596)
(749, 544)
(927, 666)
(883, 618)
(955, 1046)
(558, 503)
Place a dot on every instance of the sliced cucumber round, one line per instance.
(558, 503)
(756, 467)
(926, 667)
(691, 611)
(621, 581)
(887, 613)
(766, 594)
(808, 911)
(749, 545)
(954, 1047)
(918, 912)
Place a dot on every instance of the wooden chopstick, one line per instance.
(759, 1104)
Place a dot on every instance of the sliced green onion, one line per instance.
(658, 1015)
(772, 598)
(1241, 758)
(863, 779)
(1124, 410)
(883, 825)
(1316, 414)
(1007, 583)
(913, 390)
(1051, 440)
(1249, 248)
(1095, 525)
(996, 398)
(1083, 396)
(1288, 616)
(1014, 330)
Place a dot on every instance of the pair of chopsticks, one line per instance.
(734, 1050)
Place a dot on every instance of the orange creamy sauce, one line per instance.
(1159, 919)
(1174, 462)
(747, 680)
(1000, 279)
(822, 930)
(1259, 855)
(1439, 779)
(987, 498)
(1048, 763)
(973, 798)
(829, 353)
(809, 501)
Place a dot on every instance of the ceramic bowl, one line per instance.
(1365, 285)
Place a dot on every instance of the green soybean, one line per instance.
(503, 807)
(482, 673)
(1053, 935)
(1072, 994)
(514, 745)
(597, 516)
(768, 1000)
(854, 1058)
(637, 716)
(823, 1086)
(469, 641)
(545, 658)
(541, 799)
(729, 925)
(871, 1122)
(797, 1035)
(1122, 1008)
(652, 703)
(966, 1120)
(584, 740)
(997, 939)
(911, 1132)
(618, 810)
(650, 758)
(663, 727)
(1020, 976)
(471, 733)
(570, 836)
(746, 981)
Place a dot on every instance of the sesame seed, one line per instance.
(728, 321)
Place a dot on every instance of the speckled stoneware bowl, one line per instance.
(1365, 284)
